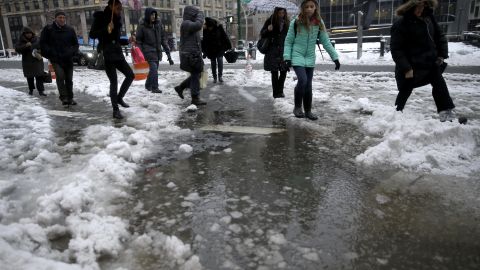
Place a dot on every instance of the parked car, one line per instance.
(85, 55)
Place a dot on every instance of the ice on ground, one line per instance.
(185, 148)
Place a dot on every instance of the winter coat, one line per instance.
(215, 42)
(416, 43)
(190, 30)
(300, 48)
(151, 37)
(59, 44)
(32, 67)
(109, 44)
(274, 55)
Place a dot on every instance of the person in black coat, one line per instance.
(276, 29)
(150, 38)
(59, 43)
(32, 62)
(107, 29)
(215, 43)
(419, 48)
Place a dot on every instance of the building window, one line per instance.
(65, 3)
(27, 6)
(76, 2)
(476, 11)
(55, 4)
(8, 8)
(86, 2)
(36, 5)
(17, 6)
(195, 2)
(180, 10)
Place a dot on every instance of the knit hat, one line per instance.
(59, 12)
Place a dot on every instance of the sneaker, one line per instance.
(179, 91)
(298, 112)
(117, 115)
(311, 116)
(65, 103)
(158, 91)
(446, 115)
(122, 103)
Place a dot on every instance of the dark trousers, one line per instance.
(152, 79)
(64, 78)
(192, 82)
(214, 61)
(111, 70)
(278, 82)
(434, 77)
(303, 90)
(39, 83)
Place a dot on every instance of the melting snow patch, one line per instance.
(185, 148)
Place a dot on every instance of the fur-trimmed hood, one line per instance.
(410, 4)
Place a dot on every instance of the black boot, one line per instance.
(197, 101)
(220, 79)
(30, 92)
(297, 111)
(214, 79)
(41, 93)
(158, 91)
(122, 103)
(72, 102)
(310, 115)
(179, 91)
(117, 114)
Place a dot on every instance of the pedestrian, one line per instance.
(150, 38)
(215, 43)
(275, 29)
(299, 52)
(419, 48)
(191, 53)
(32, 62)
(107, 26)
(58, 43)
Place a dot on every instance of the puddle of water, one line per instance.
(242, 129)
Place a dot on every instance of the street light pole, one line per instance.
(239, 7)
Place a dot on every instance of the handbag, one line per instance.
(263, 44)
(47, 77)
(231, 56)
(137, 55)
(191, 62)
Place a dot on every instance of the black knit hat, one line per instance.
(59, 12)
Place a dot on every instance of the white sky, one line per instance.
(45, 192)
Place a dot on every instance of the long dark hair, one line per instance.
(276, 18)
(307, 22)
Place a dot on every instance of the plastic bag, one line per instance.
(203, 79)
(137, 55)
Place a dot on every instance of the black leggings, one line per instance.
(111, 70)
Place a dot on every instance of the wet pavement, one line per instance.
(261, 191)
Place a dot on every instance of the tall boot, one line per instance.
(275, 84)
(307, 105)
(297, 111)
(197, 101)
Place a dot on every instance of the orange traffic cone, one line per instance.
(52, 71)
(140, 70)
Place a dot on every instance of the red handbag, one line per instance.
(137, 55)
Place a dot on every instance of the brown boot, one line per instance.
(197, 101)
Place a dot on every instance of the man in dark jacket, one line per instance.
(215, 43)
(58, 43)
(32, 62)
(150, 38)
(107, 29)
(191, 53)
(418, 48)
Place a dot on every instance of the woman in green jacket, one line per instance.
(299, 52)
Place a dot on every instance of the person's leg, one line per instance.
(151, 71)
(299, 90)
(405, 88)
(213, 64)
(281, 83)
(124, 68)
(220, 68)
(154, 81)
(60, 80)
(440, 92)
(307, 98)
(111, 71)
(31, 85)
(195, 88)
(40, 86)
(275, 83)
(69, 83)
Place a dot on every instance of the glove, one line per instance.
(337, 64)
(36, 54)
(204, 56)
(287, 63)
(170, 61)
(284, 66)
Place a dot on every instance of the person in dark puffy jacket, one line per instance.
(418, 48)
(215, 43)
(191, 53)
(150, 38)
(107, 29)
(275, 29)
(28, 46)
(59, 43)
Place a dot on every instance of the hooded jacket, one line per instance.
(151, 37)
(32, 67)
(215, 41)
(59, 44)
(416, 42)
(111, 43)
(190, 30)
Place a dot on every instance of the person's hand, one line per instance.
(170, 61)
(288, 63)
(270, 27)
(110, 27)
(28, 44)
(337, 64)
(204, 56)
(409, 74)
(439, 61)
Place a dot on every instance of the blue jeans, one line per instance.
(303, 90)
(152, 79)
